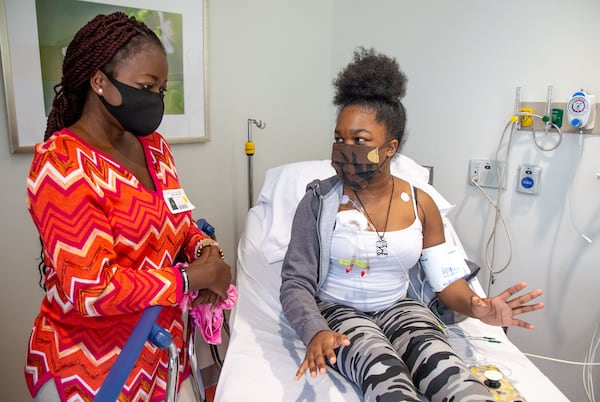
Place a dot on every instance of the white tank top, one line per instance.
(357, 276)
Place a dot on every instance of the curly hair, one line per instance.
(101, 44)
(375, 81)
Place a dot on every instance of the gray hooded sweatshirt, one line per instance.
(306, 261)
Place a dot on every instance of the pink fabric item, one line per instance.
(207, 318)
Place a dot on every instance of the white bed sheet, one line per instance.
(264, 351)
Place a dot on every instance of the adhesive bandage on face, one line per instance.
(443, 264)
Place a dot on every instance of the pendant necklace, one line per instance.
(381, 245)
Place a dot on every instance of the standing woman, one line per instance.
(354, 238)
(104, 196)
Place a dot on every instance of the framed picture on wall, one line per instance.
(35, 34)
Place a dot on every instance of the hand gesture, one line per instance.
(321, 345)
(501, 310)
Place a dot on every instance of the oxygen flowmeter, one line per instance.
(581, 110)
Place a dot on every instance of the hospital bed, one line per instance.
(264, 351)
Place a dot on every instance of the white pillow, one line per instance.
(285, 185)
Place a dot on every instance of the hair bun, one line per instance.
(370, 77)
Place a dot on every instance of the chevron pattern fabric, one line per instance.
(110, 245)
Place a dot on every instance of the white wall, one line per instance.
(464, 60)
(274, 60)
(269, 60)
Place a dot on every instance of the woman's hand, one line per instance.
(209, 271)
(499, 310)
(206, 296)
(321, 346)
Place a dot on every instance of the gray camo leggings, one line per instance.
(397, 353)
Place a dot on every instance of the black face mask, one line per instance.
(356, 165)
(140, 111)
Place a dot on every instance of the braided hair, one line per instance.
(374, 81)
(102, 43)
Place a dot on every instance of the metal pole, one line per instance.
(249, 148)
(250, 182)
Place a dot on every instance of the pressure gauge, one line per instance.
(578, 105)
(580, 110)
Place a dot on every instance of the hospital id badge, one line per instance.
(177, 201)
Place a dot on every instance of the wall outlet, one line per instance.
(528, 181)
(484, 172)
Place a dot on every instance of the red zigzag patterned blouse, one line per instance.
(110, 246)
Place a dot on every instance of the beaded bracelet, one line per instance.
(205, 243)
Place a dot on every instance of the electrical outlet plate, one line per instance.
(485, 173)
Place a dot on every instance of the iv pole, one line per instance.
(249, 148)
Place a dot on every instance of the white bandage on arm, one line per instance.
(443, 264)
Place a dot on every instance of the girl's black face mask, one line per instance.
(356, 165)
(140, 111)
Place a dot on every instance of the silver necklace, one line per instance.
(381, 245)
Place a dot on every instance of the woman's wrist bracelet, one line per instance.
(206, 243)
(186, 280)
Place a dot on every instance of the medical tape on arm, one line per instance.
(443, 264)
